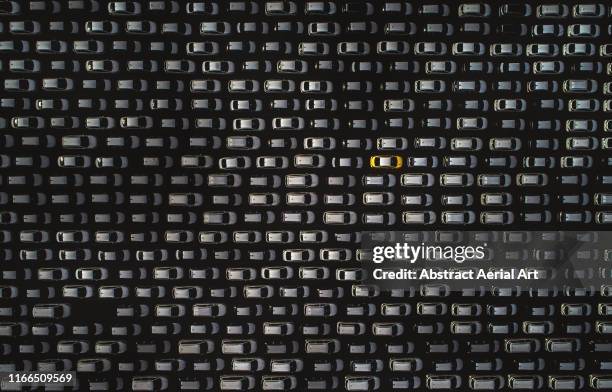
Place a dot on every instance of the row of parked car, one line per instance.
(322, 49)
(298, 123)
(342, 217)
(318, 8)
(226, 67)
(315, 161)
(237, 106)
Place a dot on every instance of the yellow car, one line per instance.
(386, 162)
